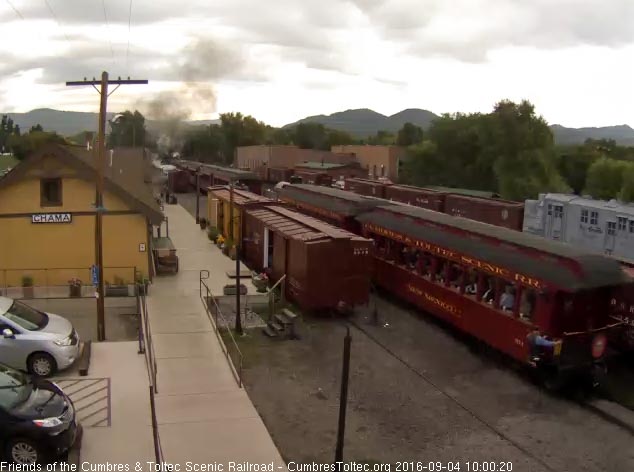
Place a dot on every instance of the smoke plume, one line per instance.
(202, 62)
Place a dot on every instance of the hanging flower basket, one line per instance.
(261, 282)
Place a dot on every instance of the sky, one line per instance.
(283, 60)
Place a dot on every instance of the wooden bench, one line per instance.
(165, 257)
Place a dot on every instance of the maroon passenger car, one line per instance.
(499, 285)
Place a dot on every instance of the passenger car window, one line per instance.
(527, 304)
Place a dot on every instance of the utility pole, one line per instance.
(343, 398)
(99, 168)
(197, 195)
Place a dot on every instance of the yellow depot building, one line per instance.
(47, 218)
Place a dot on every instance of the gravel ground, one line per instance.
(474, 409)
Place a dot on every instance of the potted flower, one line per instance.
(117, 289)
(220, 241)
(212, 233)
(203, 223)
(74, 285)
(28, 291)
(261, 282)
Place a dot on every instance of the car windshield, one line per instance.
(26, 317)
(15, 387)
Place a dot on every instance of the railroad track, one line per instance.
(586, 404)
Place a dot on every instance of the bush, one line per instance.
(118, 280)
(27, 281)
(212, 233)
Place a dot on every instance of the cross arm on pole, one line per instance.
(75, 83)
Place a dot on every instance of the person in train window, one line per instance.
(507, 300)
(527, 304)
(454, 276)
(472, 287)
(413, 259)
(440, 274)
(489, 294)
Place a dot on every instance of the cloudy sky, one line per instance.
(281, 60)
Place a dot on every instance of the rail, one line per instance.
(235, 364)
(271, 294)
(30, 283)
(146, 347)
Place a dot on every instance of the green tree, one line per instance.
(409, 134)
(127, 129)
(627, 189)
(311, 136)
(239, 130)
(23, 145)
(573, 163)
(382, 138)
(205, 144)
(605, 178)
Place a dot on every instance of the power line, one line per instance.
(17, 12)
(56, 20)
(127, 51)
(105, 16)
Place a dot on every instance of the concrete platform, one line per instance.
(126, 438)
(204, 417)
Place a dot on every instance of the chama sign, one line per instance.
(51, 218)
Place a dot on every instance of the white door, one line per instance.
(610, 235)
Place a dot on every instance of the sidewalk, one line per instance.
(113, 405)
(204, 417)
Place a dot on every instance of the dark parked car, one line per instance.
(37, 419)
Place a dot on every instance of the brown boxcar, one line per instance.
(324, 265)
(314, 178)
(279, 174)
(368, 187)
(417, 196)
(178, 181)
(335, 206)
(494, 211)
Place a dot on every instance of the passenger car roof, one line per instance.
(501, 246)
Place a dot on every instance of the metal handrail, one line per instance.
(146, 347)
(237, 371)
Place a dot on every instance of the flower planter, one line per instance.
(28, 292)
(75, 290)
(231, 289)
(203, 224)
(117, 291)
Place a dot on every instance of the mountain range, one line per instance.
(359, 123)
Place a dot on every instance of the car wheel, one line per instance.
(41, 364)
(24, 451)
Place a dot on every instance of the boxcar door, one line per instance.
(610, 234)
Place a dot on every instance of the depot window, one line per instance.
(622, 223)
(51, 192)
(594, 218)
(611, 228)
(631, 222)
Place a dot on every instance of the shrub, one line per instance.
(27, 281)
(212, 233)
(118, 280)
